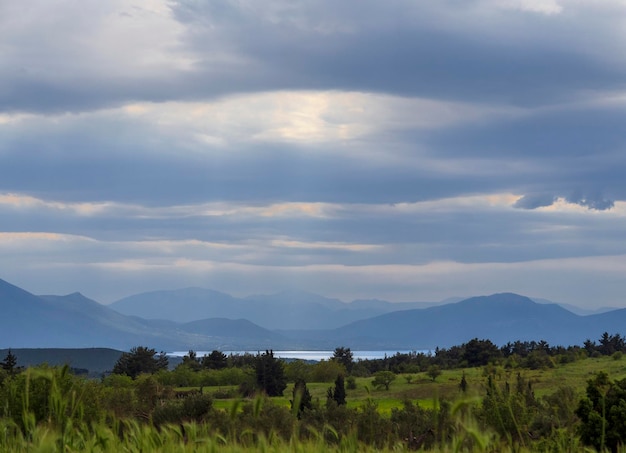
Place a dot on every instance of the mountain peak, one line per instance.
(500, 299)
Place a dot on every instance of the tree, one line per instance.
(338, 394)
(463, 385)
(216, 360)
(480, 352)
(140, 360)
(9, 363)
(383, 379)
(433, 372)
(326, 371)
(191, 361)
(344, 356)
(603, 413)
(270, 374)
(301, 397)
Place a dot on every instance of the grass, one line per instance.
(60, 433)
(423, 390)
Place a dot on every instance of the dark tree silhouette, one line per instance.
(338, 394)
(9, 363)
(140, 360)
(216, 360)
(344, 356)
(480, 352)
(191, 360)
(270, 374)
(301, 397)
(603, 413)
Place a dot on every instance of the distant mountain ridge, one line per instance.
(287, 309)
(74, 321)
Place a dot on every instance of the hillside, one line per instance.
(499, 317)
(287, 309)
(96, 360)
(74, 321)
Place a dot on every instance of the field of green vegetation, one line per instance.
(474, 397)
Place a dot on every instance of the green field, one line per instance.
(49, 410)
(424, 391)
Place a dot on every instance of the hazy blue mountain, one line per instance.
(575, 308)
(180, 305)
(235, 334)
(74, 321)
(287, 309)
(81, 305)
(499, 317)
(68, 322)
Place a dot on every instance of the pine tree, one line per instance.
(338, 394)
(140, 360)
(301, 396)
(270, 374)
(9, 362)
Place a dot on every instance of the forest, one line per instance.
(523, 396)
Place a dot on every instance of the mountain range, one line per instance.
(287, 309)
(202, 319)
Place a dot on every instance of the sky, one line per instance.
(401, 150)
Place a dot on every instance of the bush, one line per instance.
(191, 408)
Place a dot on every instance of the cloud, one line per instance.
(412, 150)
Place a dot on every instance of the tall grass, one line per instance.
(65, 427)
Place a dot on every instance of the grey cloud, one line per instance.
(404, 53)
(592, 201)
(556, 146)
(535, 201)
(406, 50)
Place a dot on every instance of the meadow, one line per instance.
(500, 408)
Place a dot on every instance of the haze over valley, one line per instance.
(203, 319)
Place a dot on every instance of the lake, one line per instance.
(308, 355)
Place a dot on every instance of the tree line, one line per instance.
(142, 388)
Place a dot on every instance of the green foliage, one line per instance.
(297, 370)
(216, 360)
(415, 424)
(9, 363)
(191, 361)
(49, 409)
(301, 398)
(338, 393)
(480, 352)
(194, 407)
(383, 379)
(603, 413)
(463, 385)
(344, 356)
(326, 371)
(509, 411)
(140, 360)
(433, 372)
(270, 374)
(372, 428)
